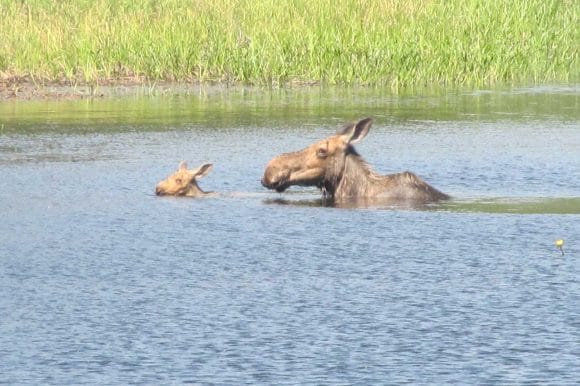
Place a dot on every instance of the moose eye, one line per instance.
(178, 181)
(321, 153)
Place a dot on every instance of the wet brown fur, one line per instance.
(334, 166)
(183, 182)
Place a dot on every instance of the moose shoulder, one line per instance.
(334, 166)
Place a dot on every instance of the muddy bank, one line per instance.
(26, 88)
(22, 89)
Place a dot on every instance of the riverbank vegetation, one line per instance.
(394, 43)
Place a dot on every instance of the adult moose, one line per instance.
(334, 166)
(184, 182)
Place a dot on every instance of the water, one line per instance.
(102, 282)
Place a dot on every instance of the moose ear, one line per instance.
(356, 132)
(182, 165)
(202, 170)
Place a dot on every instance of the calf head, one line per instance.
(183, 182)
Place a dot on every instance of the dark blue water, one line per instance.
(102, 282)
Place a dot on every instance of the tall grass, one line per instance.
(274, 42)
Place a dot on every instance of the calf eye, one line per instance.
(321, 153)
(178, 181)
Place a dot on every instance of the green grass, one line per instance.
(394, 43)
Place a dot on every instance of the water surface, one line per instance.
(102, 282)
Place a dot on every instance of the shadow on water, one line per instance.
(512, 205)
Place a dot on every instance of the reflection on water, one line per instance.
(288, 108)
(515, 205)
(321, 202)
(353, 203)
(102, 282)
(527, 205)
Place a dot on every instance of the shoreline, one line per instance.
(27, 89)
(76, 50)
(21, 89)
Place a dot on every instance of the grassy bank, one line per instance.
(274, 42)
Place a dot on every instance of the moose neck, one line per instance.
(351, 178)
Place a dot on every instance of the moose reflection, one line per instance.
(184, 182)
(334, 166)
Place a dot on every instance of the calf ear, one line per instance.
(356, 132)
(202, 170)
(182, 165)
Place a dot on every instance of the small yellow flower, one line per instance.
(560, 245)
